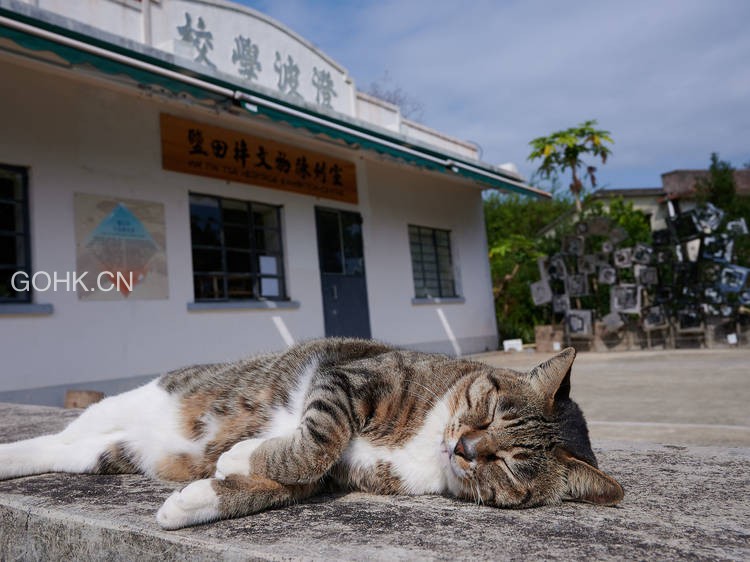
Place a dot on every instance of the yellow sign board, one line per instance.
(205, 150)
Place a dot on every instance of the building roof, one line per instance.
(628, 192)
(80, 46)
(681, 183)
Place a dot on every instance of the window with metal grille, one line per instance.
(14, 233)
(237, 250)
(431, 261)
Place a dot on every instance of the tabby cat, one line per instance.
(353, 414)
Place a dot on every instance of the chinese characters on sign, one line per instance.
(206, 150)
(246, 58)
(246, 54)
(200, 38)
(288, 76)
(324, 84)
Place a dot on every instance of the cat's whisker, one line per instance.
(432, 392)
(428, 399)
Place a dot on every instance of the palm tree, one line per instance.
(563, 150)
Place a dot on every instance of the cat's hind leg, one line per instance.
(57, 453)
(129, 432)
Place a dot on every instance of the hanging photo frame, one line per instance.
(733, 278)
(684, 226)
(625, 298)
(642, 254)
(574, 245)
(655, 318)
(623, 258)
(587, 264)
(578, 322)
(708, 218)
(542, 264)
(646, 275)
(607, 275)
(692, 250)
(718, 248)
(577, 285)
(541, 292)
(737, 227)
(557, 269)
(661, 237)
(560, 304)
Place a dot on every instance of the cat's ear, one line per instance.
(589, 484)
(551, 379)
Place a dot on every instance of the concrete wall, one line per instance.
(399, 196)
(77, 135)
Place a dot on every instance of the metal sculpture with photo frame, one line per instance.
(625, 298)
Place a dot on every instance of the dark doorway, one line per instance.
(342, 273)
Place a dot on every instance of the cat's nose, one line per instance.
(464, 449)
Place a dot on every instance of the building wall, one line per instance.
(400, 197)
(155, 24)
(77, 136)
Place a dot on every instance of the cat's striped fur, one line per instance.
(336, 412)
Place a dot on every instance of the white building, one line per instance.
(233, 181)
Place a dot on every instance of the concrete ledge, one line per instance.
(25, 309)
(223, 306)
(680, 503)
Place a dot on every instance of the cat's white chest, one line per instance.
(286, 419)
(419, 463)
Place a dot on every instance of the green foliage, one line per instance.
(624, 214)
(514, 246)
(564, 150)
(513, 226)
(720, 188)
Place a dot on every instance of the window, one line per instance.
(431, 262)
(14, 232)
(237, 252)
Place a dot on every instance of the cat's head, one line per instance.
(518, 440)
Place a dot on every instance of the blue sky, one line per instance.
(669, 78)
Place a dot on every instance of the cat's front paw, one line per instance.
(237, 459)
(196, 503)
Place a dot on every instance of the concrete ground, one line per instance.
(681, 397)
(673, 427)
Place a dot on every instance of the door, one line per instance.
(342, 273)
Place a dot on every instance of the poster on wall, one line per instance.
(120, 248)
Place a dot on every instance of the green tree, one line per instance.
(513, 224)
(719, 188)
(564, 150)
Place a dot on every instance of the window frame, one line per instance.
(253, 273)
(418, 265)
(25, 233)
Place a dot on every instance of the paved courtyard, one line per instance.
(680, 397)
(673, 427)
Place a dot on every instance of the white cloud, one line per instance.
(669, 78)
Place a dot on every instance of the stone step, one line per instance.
(680, 503)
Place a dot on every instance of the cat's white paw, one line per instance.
(196, 503)
(237, 459)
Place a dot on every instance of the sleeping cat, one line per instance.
(354, 414)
